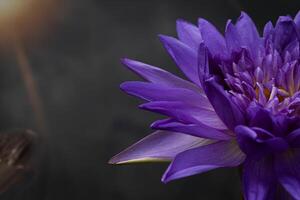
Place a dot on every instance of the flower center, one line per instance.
(275, 88)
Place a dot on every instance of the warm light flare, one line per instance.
(27, 19)
(11, 8)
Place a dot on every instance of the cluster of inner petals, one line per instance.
(273, 82)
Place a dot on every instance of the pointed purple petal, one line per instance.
(229, 113)
(268, 29)
(249, 37)
(184, 56)
(287, 167)
(202, 159)
(157, 92)
(198, 130)
(189, 34)
(247, 30)
(258, 179)
(232, 38)
(213, 39)
(157, 75)
(285, 33)
(159, 146)
(186, 113)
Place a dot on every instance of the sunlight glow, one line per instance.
(11, 8)
(30, 19)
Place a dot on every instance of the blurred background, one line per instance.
(74, 48)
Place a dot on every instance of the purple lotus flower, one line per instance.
(239, 107)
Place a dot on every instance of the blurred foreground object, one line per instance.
(16, 155)
(23, 22)
(31, 88)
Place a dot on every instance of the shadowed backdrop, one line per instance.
(75, 62)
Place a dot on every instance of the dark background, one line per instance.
(76, 65)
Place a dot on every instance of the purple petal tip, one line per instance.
(123, 86)
(180, 21)
(164, 38)
(183, 22)
(126, 62)
(202, 21)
